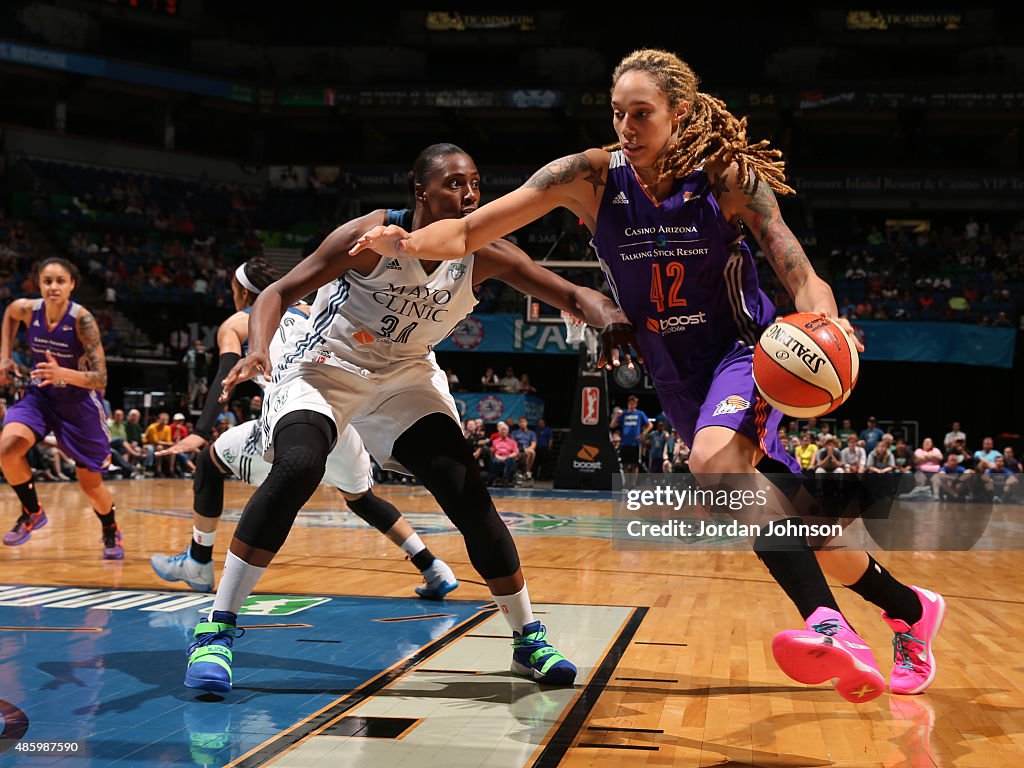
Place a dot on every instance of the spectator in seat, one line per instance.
(871, 435)
(927, 461)
(881, 460)
(829, 458)
(510, 382)
(526, 439)
(985, 458)
(902, 456)
(133, 432)
(504, 452)
(807, 453)
(120, 454)
(184, 464)
(490, 381)
(1010, 460)
(1000, 483)
(950, 482)
(963, 456)
(157, 437)
(854, 459)
(953, 435)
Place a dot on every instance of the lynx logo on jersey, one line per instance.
(457, 270)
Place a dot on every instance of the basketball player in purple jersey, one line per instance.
(669, 206)
(62, 398)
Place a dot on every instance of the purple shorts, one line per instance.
(729, 399)
(79, 424)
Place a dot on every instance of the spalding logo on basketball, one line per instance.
(805, 365)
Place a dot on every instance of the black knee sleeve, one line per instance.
(379, 513)
(301, 445)
(435, 450)
(208, 485)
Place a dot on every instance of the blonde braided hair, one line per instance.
(710, 133)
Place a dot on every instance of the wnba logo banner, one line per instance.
(591, 406)
(587, 458)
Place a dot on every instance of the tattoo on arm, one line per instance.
(564, 171)
(778, 242)
(89, 334)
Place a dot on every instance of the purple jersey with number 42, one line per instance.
(682, 274)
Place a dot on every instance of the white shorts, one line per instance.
(348, 464)
(381, 405)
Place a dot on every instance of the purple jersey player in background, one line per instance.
(62, 398)
(670, 206)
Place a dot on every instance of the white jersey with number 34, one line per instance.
(396, 312)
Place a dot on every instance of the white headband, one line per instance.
(244, 281)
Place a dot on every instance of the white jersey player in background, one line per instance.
(236, 452)
(367, 361)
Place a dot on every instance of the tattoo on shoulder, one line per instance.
(23, 310)
(719, 186)
(566, 170)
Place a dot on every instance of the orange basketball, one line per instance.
(805, 365)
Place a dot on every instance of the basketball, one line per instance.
(805, 365)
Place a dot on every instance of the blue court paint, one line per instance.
(119, 690)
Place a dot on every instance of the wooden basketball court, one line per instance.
(673, 649)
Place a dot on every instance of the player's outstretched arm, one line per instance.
(575, 182)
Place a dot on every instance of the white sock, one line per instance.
(413, 545)
(515, 608)
(202, 538)
(236, 583)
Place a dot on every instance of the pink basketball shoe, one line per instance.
(914, 664)
(828, 649)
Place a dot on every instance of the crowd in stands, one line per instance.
(511, 453)
(973, 273)
(950, 471)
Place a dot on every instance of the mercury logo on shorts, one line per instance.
(731, 404)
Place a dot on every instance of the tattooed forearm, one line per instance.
(89, 334)
(565, 170)
(778, 242)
